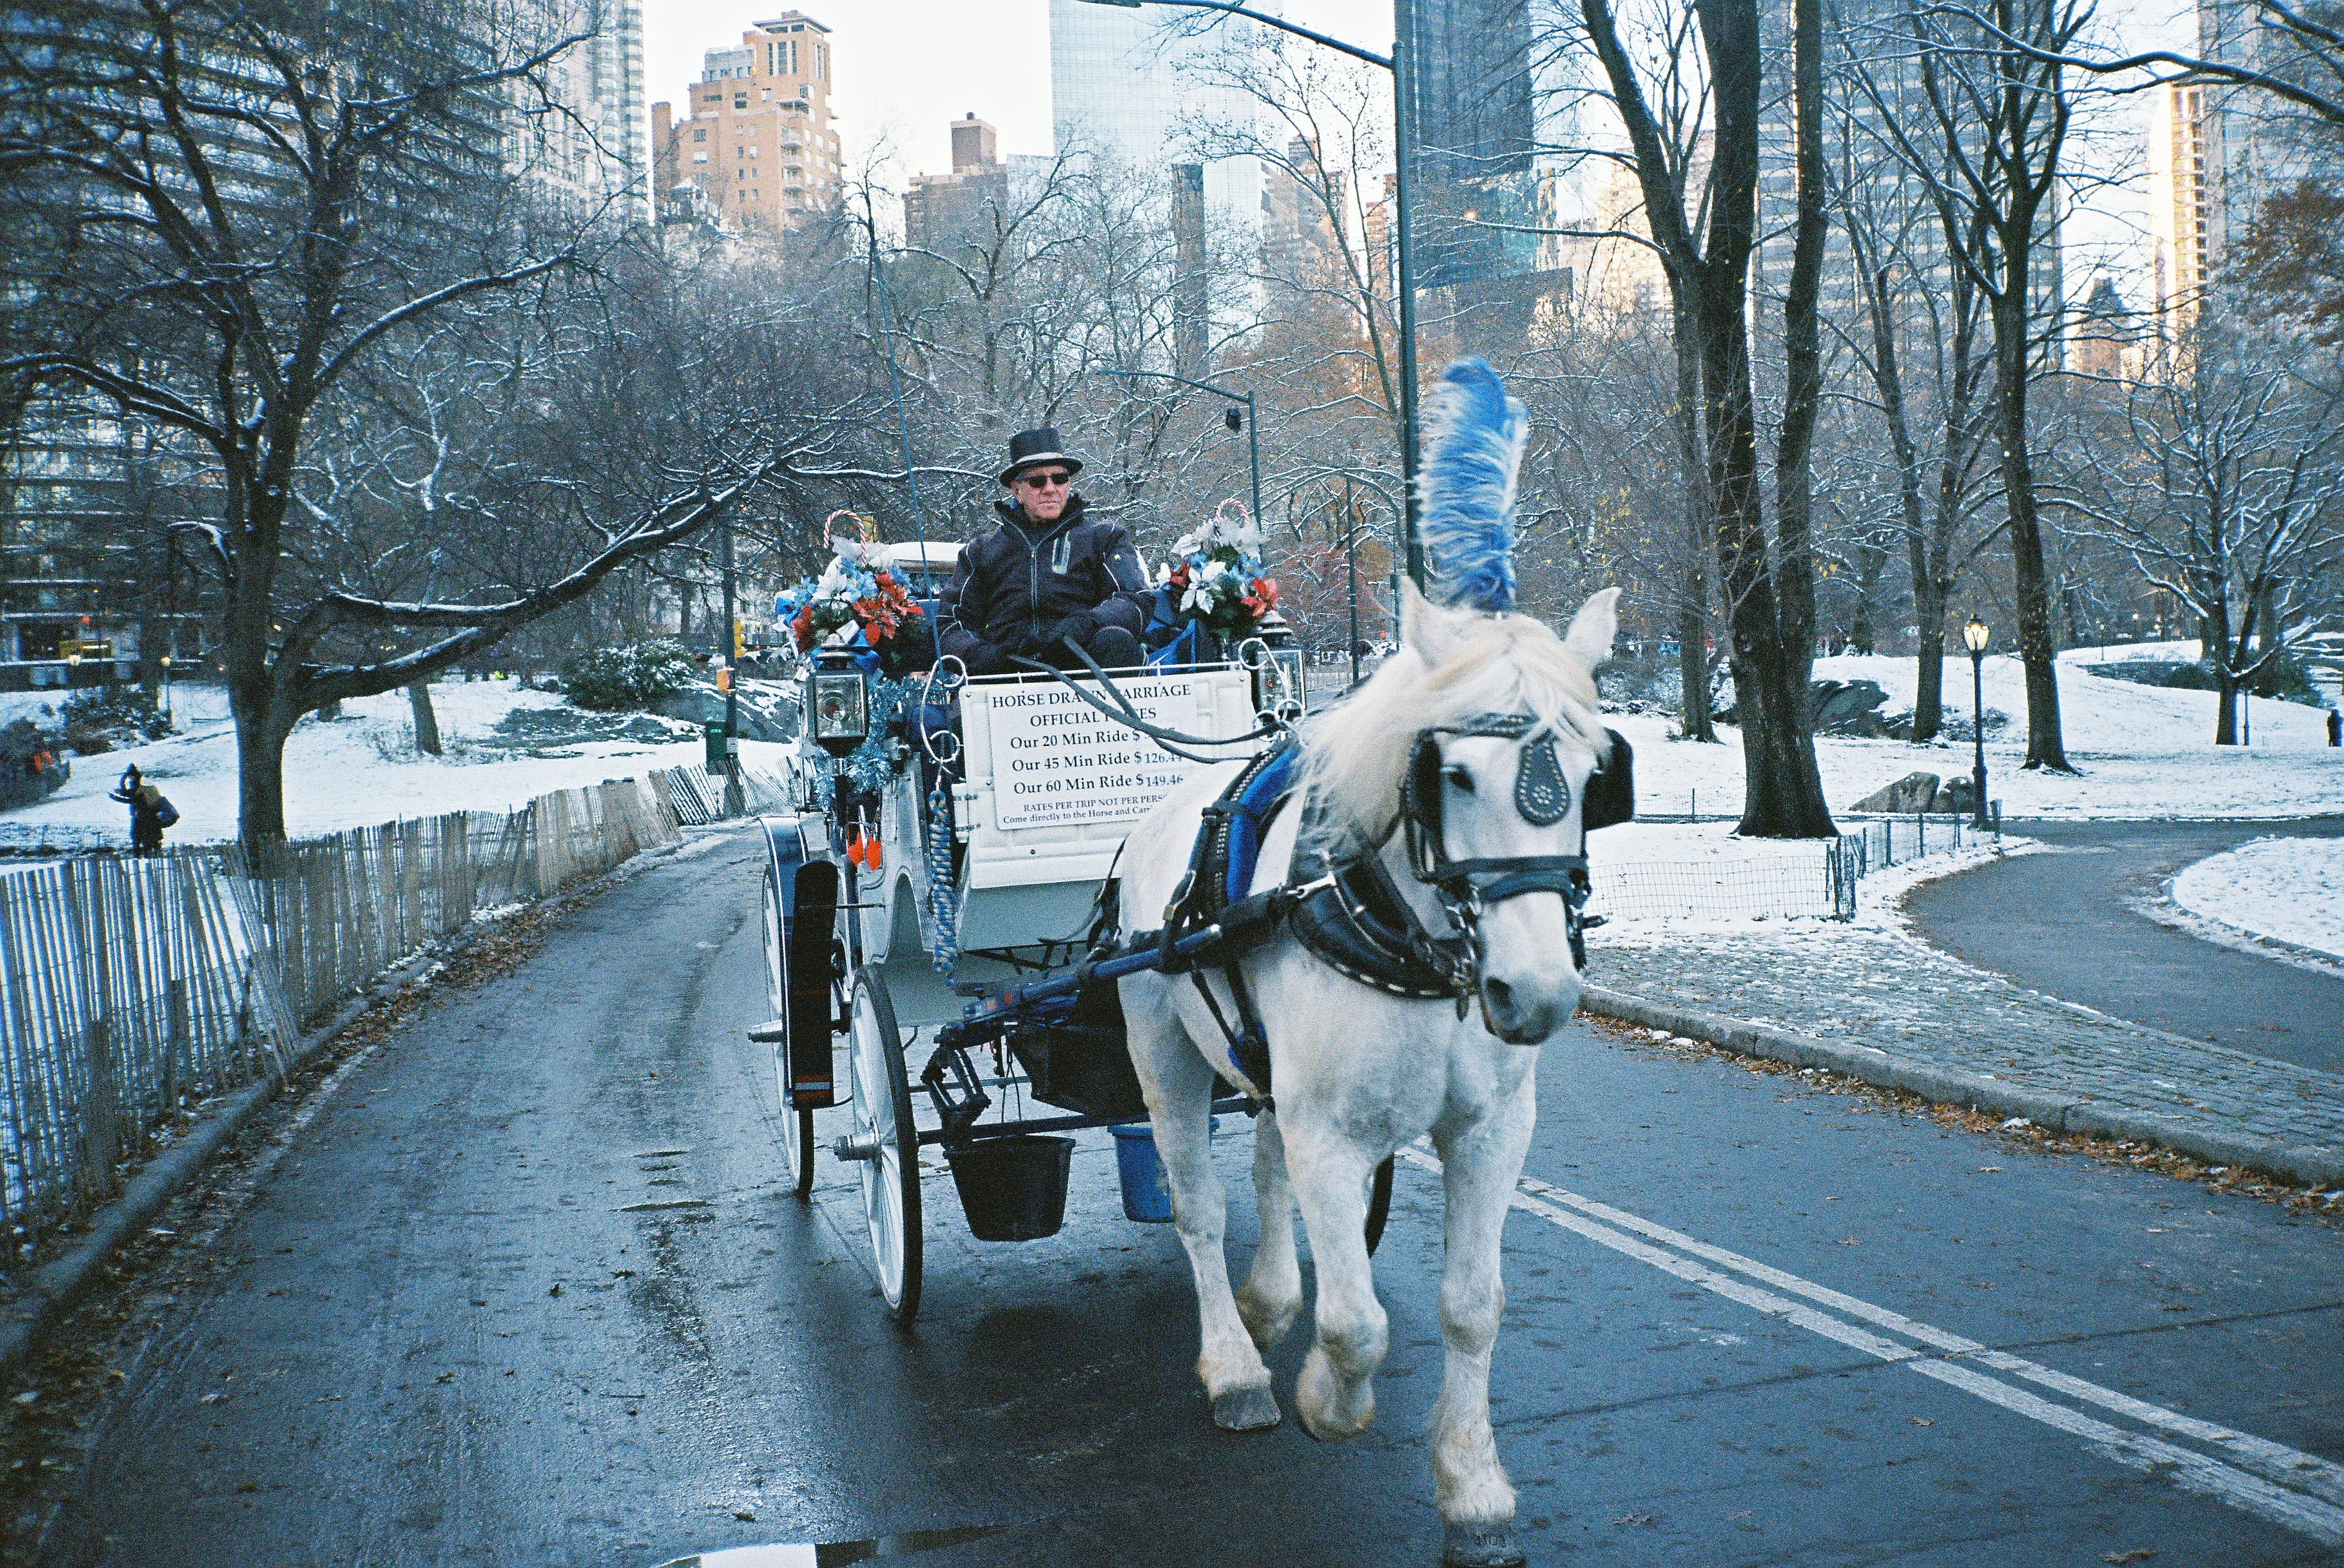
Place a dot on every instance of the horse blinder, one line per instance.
(1609, 798)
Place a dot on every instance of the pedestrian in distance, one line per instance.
(2335, 728)
(150, 811)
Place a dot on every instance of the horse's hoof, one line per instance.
(1244, 1409)
(1481, 1546)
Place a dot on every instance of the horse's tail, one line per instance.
(1466, 488)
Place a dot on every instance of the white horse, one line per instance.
(1357, 1072)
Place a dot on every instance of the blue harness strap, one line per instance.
(1249, 812)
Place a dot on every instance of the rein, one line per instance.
(1122, 711)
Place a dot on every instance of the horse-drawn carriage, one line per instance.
(941, 928)
(1056, 889)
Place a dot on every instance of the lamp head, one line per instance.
(1974, 634)
(838, 703)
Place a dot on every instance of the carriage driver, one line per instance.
(1046, 574)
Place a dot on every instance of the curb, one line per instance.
(2313, 1165)
(59, 1285)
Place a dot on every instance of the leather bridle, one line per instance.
(1467, 887)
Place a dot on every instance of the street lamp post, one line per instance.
(1403, 138)
(166, 688)
(1252, 439)
(1974, 636)
(734, 804)
(1351, 569)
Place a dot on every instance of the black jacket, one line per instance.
(1024, 585)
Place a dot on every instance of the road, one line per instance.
(2062, 923)
(523, 1291)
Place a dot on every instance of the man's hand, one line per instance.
(1082, 626)
(984, 659)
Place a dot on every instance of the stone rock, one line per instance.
(1911, 793)
(1848, 707)
(1957, 798)
(768, 709)
(1835, 708)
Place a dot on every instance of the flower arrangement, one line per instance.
(858, 603)
(1216, 575)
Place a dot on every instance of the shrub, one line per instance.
(104, 717)
(613, 680)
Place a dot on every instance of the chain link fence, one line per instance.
(1788, 880)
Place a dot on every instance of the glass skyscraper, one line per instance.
(1126, 85)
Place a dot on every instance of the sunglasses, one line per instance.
(1045, 480)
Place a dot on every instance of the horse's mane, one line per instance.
(1353, 754)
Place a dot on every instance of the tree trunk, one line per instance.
(1692, 598)
(2030, 582)
(1929, 663)
(1782, 795)
(2226, 709)
(260, 776)
(427, 723)
(1692, 661)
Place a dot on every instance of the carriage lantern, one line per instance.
(838, 703)
(1276, 663)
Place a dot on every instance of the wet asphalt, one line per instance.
(2065, 923)
(525, 1292)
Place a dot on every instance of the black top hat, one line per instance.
(1028, 449)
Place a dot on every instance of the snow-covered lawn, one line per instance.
(2288, 888)
(352, 772)
(2143, 750)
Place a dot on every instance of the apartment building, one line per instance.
(757, 143)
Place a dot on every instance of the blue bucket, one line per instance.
(1146, 1197)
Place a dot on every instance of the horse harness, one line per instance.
(1351, 916)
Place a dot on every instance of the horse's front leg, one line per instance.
(1272, 1292)
(1480, 1161)
(1336, 1393)
(1178, 1084)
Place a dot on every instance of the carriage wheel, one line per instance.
(797, 1125)
(1378, 1202)
(886, 1135)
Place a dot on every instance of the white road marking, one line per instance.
(2280, 1498)
(2276, 1460)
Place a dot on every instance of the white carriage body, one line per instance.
(1053, 784)
(1049, 787)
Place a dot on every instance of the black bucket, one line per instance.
(1013, 1188)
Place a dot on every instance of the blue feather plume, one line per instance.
(1466, 488)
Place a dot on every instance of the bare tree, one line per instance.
(239, 223)
(2227, 493)
(1997, 116)
(1915, 261)
(1767, 585)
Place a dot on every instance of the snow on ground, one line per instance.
(2292, 889)
(353, 772)
(2143, 750)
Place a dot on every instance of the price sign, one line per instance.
(1056, 760)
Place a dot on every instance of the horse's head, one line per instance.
(1479, 737)
(1495, 801)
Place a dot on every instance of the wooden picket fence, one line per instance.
(132, 988)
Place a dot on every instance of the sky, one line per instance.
(906, 69)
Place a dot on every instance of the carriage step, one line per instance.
(852, 1148)
(772, 1033)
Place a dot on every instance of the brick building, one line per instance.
(757, 141)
